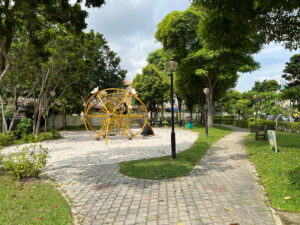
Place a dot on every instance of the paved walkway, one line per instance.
(222, 189)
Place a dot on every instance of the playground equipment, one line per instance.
(112, 111)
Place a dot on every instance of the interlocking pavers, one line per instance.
(222, 189)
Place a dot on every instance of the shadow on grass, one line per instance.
(294, 177)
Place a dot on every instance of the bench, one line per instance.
(261, 133)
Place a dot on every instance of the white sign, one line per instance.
(272, 139)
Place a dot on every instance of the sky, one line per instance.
(129, 27)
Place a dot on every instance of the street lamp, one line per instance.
(206, 92)
(171, 67)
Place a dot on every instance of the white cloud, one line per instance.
(130, 25)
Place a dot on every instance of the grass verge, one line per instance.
(165, 167)
(279, 173)
(31, 202)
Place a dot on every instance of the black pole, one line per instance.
(206, 116)
(173, 141)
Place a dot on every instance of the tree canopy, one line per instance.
(152, 86)
(215, 69)
(266, 86)
(30, 17)
(229, 23)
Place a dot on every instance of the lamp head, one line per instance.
(206, 91)
(171, 66)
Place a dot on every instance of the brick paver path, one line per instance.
(222, 189)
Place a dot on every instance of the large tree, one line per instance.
(75, 65)
(292, 75)
(152, 86)
(266, 86)
(217, 69)
(232, 23)
(30, 16)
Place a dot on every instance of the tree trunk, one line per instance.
(45, 126)
(179, 100)
(155, 113)
(162, 112)
(65, 118)
(210, 107)
(38, 124)
(4, 124)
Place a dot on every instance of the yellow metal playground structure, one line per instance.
(112, 111)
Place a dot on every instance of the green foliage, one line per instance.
(14, 137)
(278, 172)
(158, 58)
(292, 71)
(166, 167)
(27, 162)
(199, 65)
(7, 139)
(152, 86)
(18, 16)
(266, 86)
(293, 127)
(292, 75)
(24, 127)
(248, 24)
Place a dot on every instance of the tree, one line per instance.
(266, 86)
(75, 64)
(158, 58)
(217, 69)
(152, 86)
(230, 23)
(292, 75)
(30, 16)
(229, 101)
(292, 71)
(104, 69)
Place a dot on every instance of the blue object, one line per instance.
(189, 125)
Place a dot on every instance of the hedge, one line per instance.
(293, 127)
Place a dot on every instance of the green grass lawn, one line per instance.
(31, 202)
(165, 167)
(279, 173)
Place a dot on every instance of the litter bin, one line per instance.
(189, 125)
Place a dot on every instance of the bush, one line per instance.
(24, 127)
(270, 124)
(27, 162)
(7, 139)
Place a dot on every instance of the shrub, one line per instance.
(7, 139)
(27, 162)
(24, 127)
(270, 124)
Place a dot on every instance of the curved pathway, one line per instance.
(222, 189)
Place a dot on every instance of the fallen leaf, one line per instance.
(228, 209)
(287, 197)
(234, 224)
(148, 198)
(39, 218)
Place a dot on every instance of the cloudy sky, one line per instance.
(129, 27)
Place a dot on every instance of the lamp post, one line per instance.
(171, 67)
(206, 92)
